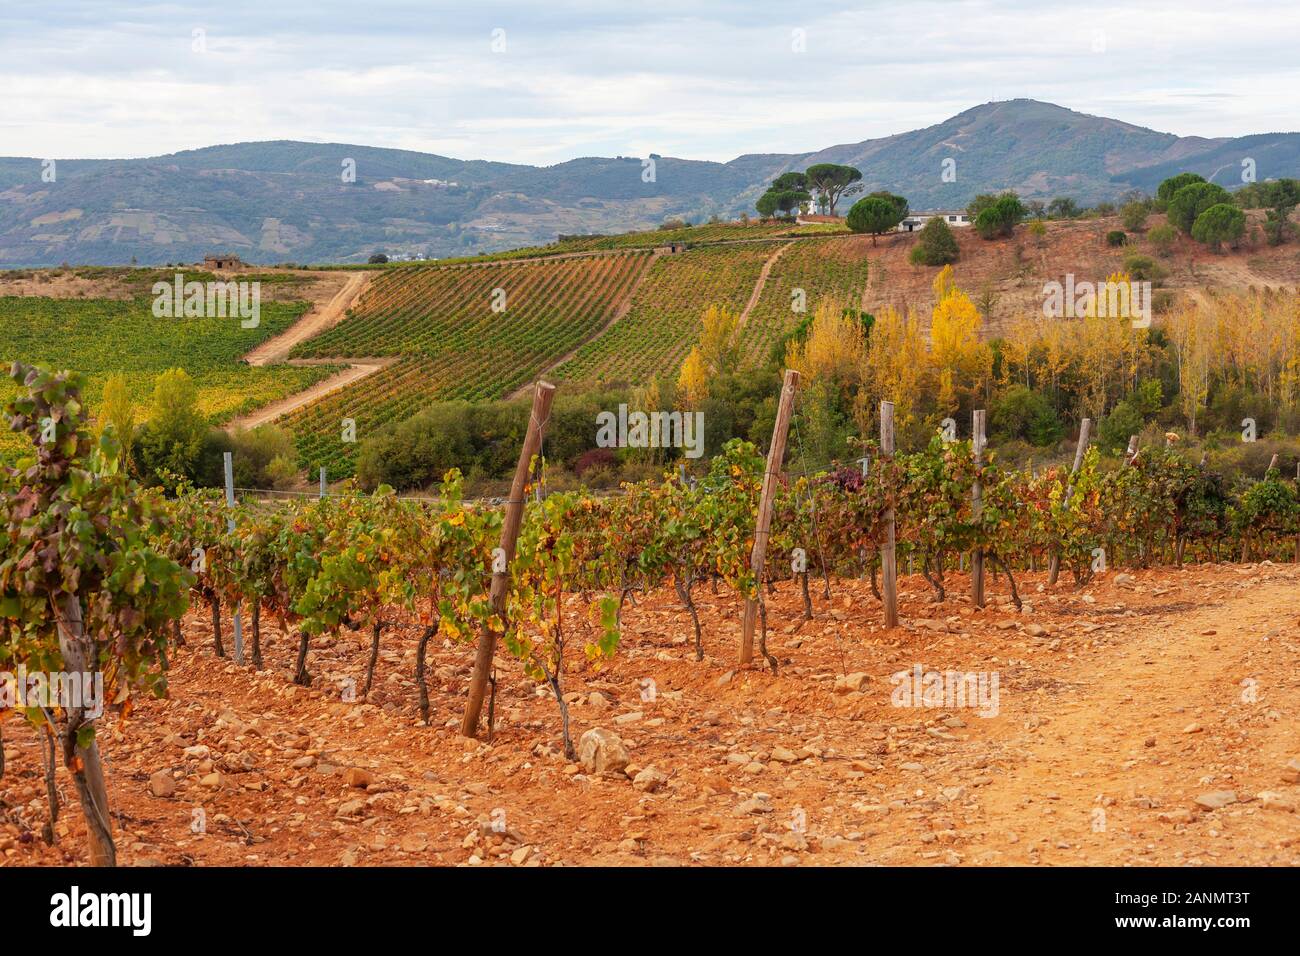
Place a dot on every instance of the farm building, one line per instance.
(222, 262)
(916, 220)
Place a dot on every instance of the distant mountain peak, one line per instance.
(283, 200)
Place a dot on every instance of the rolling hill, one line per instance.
(288, 202)
(586, 319)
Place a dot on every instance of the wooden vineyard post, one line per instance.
(230, 526)
(758, 557)
(1085, 428)
(322, 481)
(1132, 451)
(888, 568)
(977, 506)
(543, 394)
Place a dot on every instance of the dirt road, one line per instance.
(317, 320)
(354, 372)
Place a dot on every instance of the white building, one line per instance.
(916, 220)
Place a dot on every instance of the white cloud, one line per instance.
(705, 81)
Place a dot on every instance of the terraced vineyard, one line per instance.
(104, 336)
(664, 320)
(829, 268)
(453, 345)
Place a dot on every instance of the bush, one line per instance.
(418, 451)
(1143, 268)
(1025, 415)
(1276, 229)
(175, 440)
(1163, 238)
(377, 259)
(1116, 237)
(282, 471)
(1063, 207)
(937, 245)
(1124, 420)
(264, 458)
(1134, 215)
(1000, 218)
(595, 459)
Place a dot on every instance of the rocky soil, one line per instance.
(1148, 718)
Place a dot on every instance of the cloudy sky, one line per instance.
(541, 82)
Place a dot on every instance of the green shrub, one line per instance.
(1143, 268)
(937, 245)
(1162, 238)
(1025, 415)
(259, 456)
(175, 441)
(1000, 218)
(1116, 237)
(1134, 215)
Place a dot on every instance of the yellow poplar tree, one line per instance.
(693, 382)
(896, 366)
(719, 339)
(117, 409)
(833, 349)
(959, 358)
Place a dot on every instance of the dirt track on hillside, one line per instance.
(1118, 708)
(355, 371)
(319, 318)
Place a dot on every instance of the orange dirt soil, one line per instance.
(1119, 706)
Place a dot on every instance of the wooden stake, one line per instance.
(889, 569)
(977, 506)
(543, 394)
(236, 614)
(1132, 450)
(758, 557)
(1085, 429)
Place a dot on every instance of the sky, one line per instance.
(544, 82)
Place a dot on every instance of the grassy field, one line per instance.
(100, 337)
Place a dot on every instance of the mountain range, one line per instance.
(288, 201)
